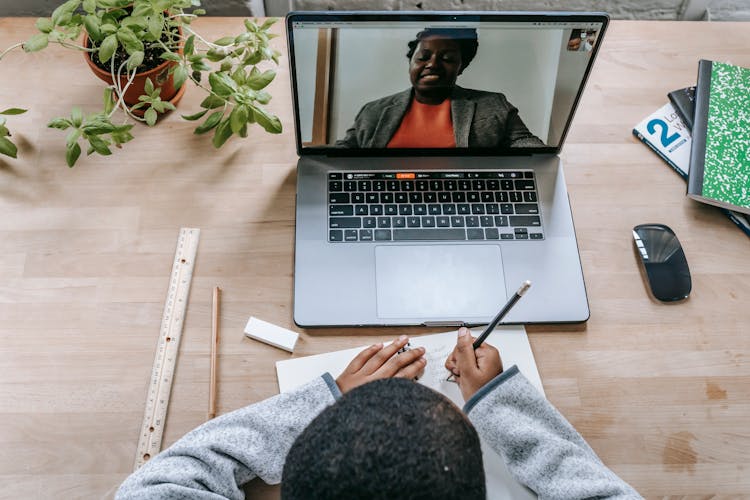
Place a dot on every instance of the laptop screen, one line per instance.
(442, 83)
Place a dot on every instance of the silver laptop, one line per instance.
(429, 185)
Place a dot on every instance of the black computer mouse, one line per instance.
(664, 262)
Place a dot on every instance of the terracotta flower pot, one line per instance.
(159, 75)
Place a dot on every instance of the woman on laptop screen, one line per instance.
(435, 112)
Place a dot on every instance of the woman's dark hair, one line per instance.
(389, 439)
(465, 37)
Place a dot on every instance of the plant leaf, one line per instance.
(223, 132)
(253, 58)
(107, 48)
(98, 126)
(224, 41)
(62, 14)
(199, 66)
(73, 137)
(44, 24)
(89, 6)
(98, 129)
(129, 40)
(135, 60)
(76, 116)
(60, 123)
(170, 56)
(109, 103)
(260, 81)
(189, 48)
(196, 116)
(123, 128)
(72, 153)
(135, 24)
(121, 137)
(36, 42)
(107, 29)
(238, 118)
(269, 22)
(269, 122)
(212, 121)
(239, 75)
(180, 76)
(212, 101)
(220, 85)
(155, 24)
(262, 97)
(13, 111)
(142, 9)
(149, 86)
(91, 22)
(150, 115)
(99, 145)
(8, 148)
(214, 56)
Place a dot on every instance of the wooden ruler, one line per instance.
(167, 348)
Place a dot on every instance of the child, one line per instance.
(373, 433)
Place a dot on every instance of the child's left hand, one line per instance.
(378, 362)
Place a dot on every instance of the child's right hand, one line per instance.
(473, 368)
(378, 362)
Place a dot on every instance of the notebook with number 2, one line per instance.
(429, 183)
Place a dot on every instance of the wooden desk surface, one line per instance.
(661, 392)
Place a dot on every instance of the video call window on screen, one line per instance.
(485, 85)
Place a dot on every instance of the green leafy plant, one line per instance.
(6, 145)
(126, 37)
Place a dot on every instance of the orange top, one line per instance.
(425, 126)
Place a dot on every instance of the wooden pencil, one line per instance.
(214, 349)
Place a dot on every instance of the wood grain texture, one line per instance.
(662, 392)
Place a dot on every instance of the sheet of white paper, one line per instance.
(514, 348)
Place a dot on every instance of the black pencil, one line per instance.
(492, 324)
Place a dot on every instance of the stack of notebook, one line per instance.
(703, 133)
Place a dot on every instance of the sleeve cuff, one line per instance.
(487, 388)
(332, 385)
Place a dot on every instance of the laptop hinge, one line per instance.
(443, 323)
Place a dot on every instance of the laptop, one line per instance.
(429, 185)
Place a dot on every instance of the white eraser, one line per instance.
(271, 334)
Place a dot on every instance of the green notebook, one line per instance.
(720, 155)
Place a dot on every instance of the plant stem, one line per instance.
(74, 46)
(121, 90)
(20, 44)
(206, 42)
(182, 14)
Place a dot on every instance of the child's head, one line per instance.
(388, 439)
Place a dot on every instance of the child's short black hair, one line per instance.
(467, 40)
(389, 439)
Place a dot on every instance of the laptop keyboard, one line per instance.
(433, 206)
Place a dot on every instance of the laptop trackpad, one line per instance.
(437, 282)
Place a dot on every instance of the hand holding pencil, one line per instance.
(475, 361)
(472, 368)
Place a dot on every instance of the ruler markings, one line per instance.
(167, 347)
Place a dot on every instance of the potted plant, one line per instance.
(146, 51)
